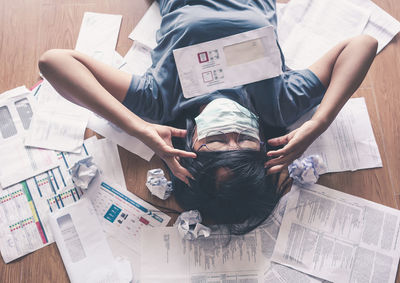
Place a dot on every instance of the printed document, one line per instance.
(309, 28)
(58, 124)
(338, 237)
(349, 142)
(124, 215)
(120, 137)
(83, 246)
(17, 107)
(228, 62)
(166, 257)
(25, 207)
(98, 36)
(138, 59)
(145, 31)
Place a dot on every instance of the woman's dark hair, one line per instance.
(242, 200)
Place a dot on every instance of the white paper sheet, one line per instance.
(338, 237)
(98, 36)
(309, 28)
(25, 207)
(145, 30)
(118, 136)
(349, 142)
(138, 59)
(381, 25)
(122, 214)
(17, 108)
(227, 62)
(52, 129)
(59, 124)
(83, 245)
(166, 257)
(106, 157)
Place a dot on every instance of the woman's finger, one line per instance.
(279, 160)
(276, 169)
(178, 132)
(279, 140)
(182, 153)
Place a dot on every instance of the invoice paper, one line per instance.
(17, 108)
(98, 36)
(83, 245)
(228, 62)
(145, 31)
(25, 207)
(124, 215)
(349, 142)
(338, 237)
(309, 28)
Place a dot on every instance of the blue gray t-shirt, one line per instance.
(157, 95)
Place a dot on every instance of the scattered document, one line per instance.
(83, 245)
(381, 25)
(56, 130)
(309, 28)
(138, 59)
(227, 62)
(106, 157)
(17, 108)
(221, 257)
(25, 207)
(58, 124)
(145, 31)
(338, 237)
(349, 142)
(120, 137)
(124, 215)
(98, 36)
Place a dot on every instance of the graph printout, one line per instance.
(25, 207)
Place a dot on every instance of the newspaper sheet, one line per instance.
(349, 142)
(338, 237)
(166, 257)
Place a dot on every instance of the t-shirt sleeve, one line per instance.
(142, 98)
(282, 100)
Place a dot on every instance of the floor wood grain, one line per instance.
(28, 28)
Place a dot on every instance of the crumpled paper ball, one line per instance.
(83, 172)
(158, 185)
(189, 226)
(306, 171)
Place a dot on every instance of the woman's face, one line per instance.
(219, 141)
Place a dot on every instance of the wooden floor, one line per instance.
(28, 28)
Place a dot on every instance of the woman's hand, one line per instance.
(295, 143)
(158, 138)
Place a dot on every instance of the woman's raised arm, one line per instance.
(341, 71)
(101, 88)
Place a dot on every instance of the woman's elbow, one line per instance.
(369, 43)
(52, 58)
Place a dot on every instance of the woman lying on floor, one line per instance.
(234, 138)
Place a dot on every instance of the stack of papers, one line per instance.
(314, 234)
(307, 29)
